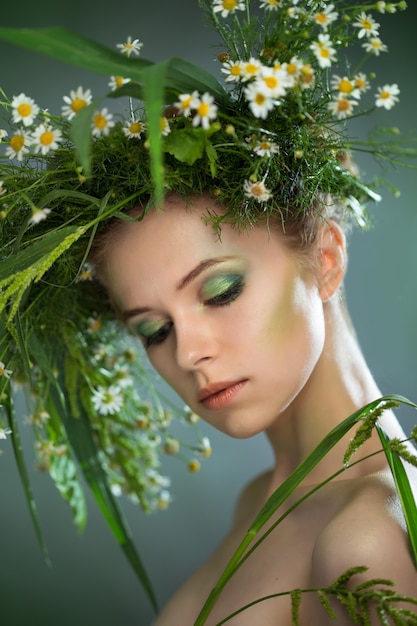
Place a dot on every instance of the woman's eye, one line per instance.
(225, 290)
(153, 338)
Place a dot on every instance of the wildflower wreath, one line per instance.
(268, 140)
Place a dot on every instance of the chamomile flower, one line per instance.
(274, 81)
(46, 138)
(270, 5)
(345, 86)
(326, 16)
(324, 51)
(204, 447)
(107, 400)
(307, 76)
(164, 126)
(117, 81)
(24, 109)
(122, 376)
(205, 109)
(227, 7)
(130, 47)
(2, 188)
(102, 122)
(266, 148)
(387, 96)
(3, 133)
(259, 103)
(38, 215)
(375, 45)
(250, 69)
(18, 145)
(341, 106)
(134, 128)
(163, 500)
(75, 102)
(367, 26)
(361, 82)
(293, 68)
(256, 190)
(194, 466)
(4, 432)
(3, 371)
(187, 102)
(233, 71)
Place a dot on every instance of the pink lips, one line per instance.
(220, 395)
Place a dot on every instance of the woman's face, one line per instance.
(233, 324)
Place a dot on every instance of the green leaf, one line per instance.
(405, 492)
(186, 145)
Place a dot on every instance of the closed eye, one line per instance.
(228, 295)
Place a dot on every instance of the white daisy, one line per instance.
(24, 109)
(270, 5)
(4, 432)
(102, 122)
(130, 47)
(18, 145)
(387, 96)
(361, 82)
(326, 16)
(3, 371)
(266, 148)
(75, 102)
(293, 68)
(164, 126)
(107, 400)
(323, 50)
(234, 71)
(274, 81)
(46, 138)
(367, 26)
(3, 133)
(345, 86)
(259, 103)
(204, 447)
(226, 7)
(374, 45)
(187, 102)
(134, 128)
(307, 76)
(117, 81)
(341, 106)
(121, 376)
(38, 215)
(257, 190)
(205, 109)
(250, 69)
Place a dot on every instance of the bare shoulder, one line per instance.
(250, 498)
(369, 530)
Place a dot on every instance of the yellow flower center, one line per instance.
(24, 109)
(291, 69)
(186, 102)
(360, 83)
(325, 53)
(229, 5)
(376, 43)
(203, 109)
(257, 190)
(343, 104)
(345, 86)
(250, 68)
(236, 70)
(366, 24)
(46, 138)
(265, 145)
(163, 124)
(77, 104)
(321, 18)
(118, 80)
(260, 99)
(384, 95)
(271, 82)
(100, 121)
(136, 128)
(17, 142)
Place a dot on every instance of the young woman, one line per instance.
(228, 264)
(251, 330)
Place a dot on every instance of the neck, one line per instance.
(340, 384)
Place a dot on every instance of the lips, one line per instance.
(221, 394)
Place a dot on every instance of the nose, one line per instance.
(196, 343)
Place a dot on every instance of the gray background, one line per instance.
(90, 582)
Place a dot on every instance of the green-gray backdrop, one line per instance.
(90, 582)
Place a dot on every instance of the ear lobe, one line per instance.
(332, 259)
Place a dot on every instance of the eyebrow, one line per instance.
(188, 278)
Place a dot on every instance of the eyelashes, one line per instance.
(218, 291)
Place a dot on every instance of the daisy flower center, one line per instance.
(77, 104)
(46, 138)
(24, 109)
(271, 82)
(250, 68)
(260, 99)
(384, 95)
(136, 127)
(343, 104)
(17, 142)
(321, 18)
(345, 86)
(229, 5)
(100, 121)
(235, 70)
(366, 24)
(203, 109)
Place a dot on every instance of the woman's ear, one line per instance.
(332, 259)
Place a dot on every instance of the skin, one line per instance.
(260, 316)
